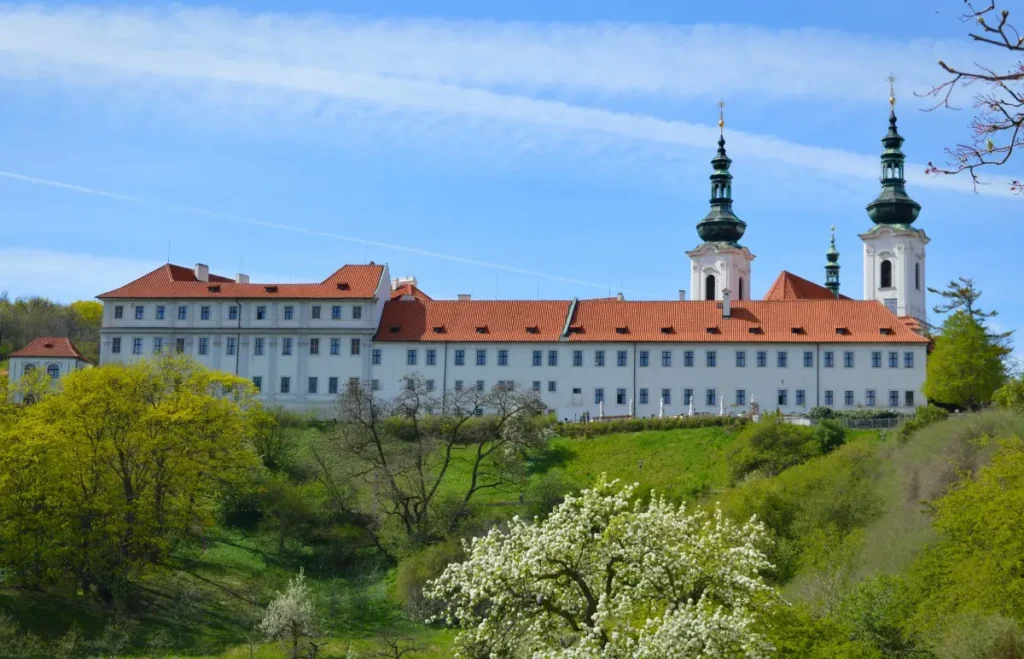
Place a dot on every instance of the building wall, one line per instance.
(16, 368)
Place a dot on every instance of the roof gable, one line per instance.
(788, 286)
(46, 347)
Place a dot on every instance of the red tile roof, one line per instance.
(409, 289)
(788, 286)
(50, 347)
(476, 320)
(177, 282)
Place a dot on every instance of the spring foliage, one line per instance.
(602, 578)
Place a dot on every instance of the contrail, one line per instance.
(294, 229)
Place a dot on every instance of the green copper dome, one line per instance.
(893, 206)
(720, 225)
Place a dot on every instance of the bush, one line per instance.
(829, 435)
(546, 492)
(1011, 395)
(821, 412)
(416, 570)
(770, 446)
(923, 417)
(597, 428)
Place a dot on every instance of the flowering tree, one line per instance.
(601, 578)
(291, 615)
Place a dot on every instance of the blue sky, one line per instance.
(502, 149)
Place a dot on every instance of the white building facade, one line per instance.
(55, 356)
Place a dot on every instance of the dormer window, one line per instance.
(533, 330)
(797, 330)
(575, 329)
(343, 286)
(755, 330)
(712, 330)
(439, 329)
(395, 328)
(622, 330)
(270, 289)
(668, 330)
(481, 330)
(842, 330)
(888, 331)
(213, 289)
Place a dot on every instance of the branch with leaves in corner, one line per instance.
(997, 129)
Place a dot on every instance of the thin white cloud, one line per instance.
(486, 74)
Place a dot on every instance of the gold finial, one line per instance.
(721, 117)
(892, 90)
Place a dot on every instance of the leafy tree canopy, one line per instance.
(966, 367)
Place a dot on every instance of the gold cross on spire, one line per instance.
(721, 117)
(892, 90)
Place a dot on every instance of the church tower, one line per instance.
(832, 266)
(720, 263)
(894, 251)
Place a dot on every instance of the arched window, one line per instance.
(917, 276)
(886, 274)
(740, 296)
(709, 287)
(53, 371)
(29, 368)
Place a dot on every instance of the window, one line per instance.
(739, 296)
(179, 345)
(458, 385)
(357, 312)
(687, 396)
(762, 358)
(908, 360)
(182, 312)
(354, 346)
(158, 345)
(160, 312)
(848, 359)
(801, 397)
(643, 396)
(536, 385)
(666, 396)
(375, 385)
(886, 274)
(140, 312)
(481, 358)
(917, 276)
(848, 398)
(430, 385)
(908, 398)
(781, 359)
(53, 371)
(314, 346)
(336, 312)
(332, 385)
(231, 345)
(808, 359)
(286, 384)
(711, 358)
(552, 386)
(503, 358)
(286, 346)
(599, 358)
(894, 359)
(552, 358)
(577, 358)
(666, 357)
(711, 398)
(233, 312)
(688, 358)
(410, 357)
(431, 356)
(289, 312)
(204, 312)
(315, 314)
(829, 359)
(741, 358)
(894, 398)
(709, 287)
(620, 358)
(537, 357)
(257, 348)
(869, 397)
(644, 357)
(312, 385)
(829, 397)
(257, 381)
(479, 385)
(118, 312)
(335, 346)
(261, 313)
(741, 396)
(783, 397)
(876, 360)
(620, 396)
(375, 356)
(598, 396)
(204, 345)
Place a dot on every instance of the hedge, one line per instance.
(597, 428)
(822, 412)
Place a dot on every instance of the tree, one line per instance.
(602, 578)
(107, 476)
(1010, 396)
(404, 450)
(963, 295)
(24, 319)
(996, 128)
(291, 616)
(966, 368)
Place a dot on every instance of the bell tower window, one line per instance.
(709, 287)
(917, 276)
(740, 296)
(886, 274)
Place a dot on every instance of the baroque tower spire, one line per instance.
(832, 266)
(893, 206)
(721, 225)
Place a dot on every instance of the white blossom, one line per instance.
(602, 579)
(292, 614)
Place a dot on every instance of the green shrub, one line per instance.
(1011, 395)
(770, 446)
(821, 412)
(597, 428)
(416, 570)
(877, 611)
(546, 492)
(829, 435)
(923, 417)
(974, 635)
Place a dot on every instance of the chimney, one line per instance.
(620, 297)
(398, 282)
(202, 272)
(464, 297)
(242, 279)
(682, 295)
(726, 306)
